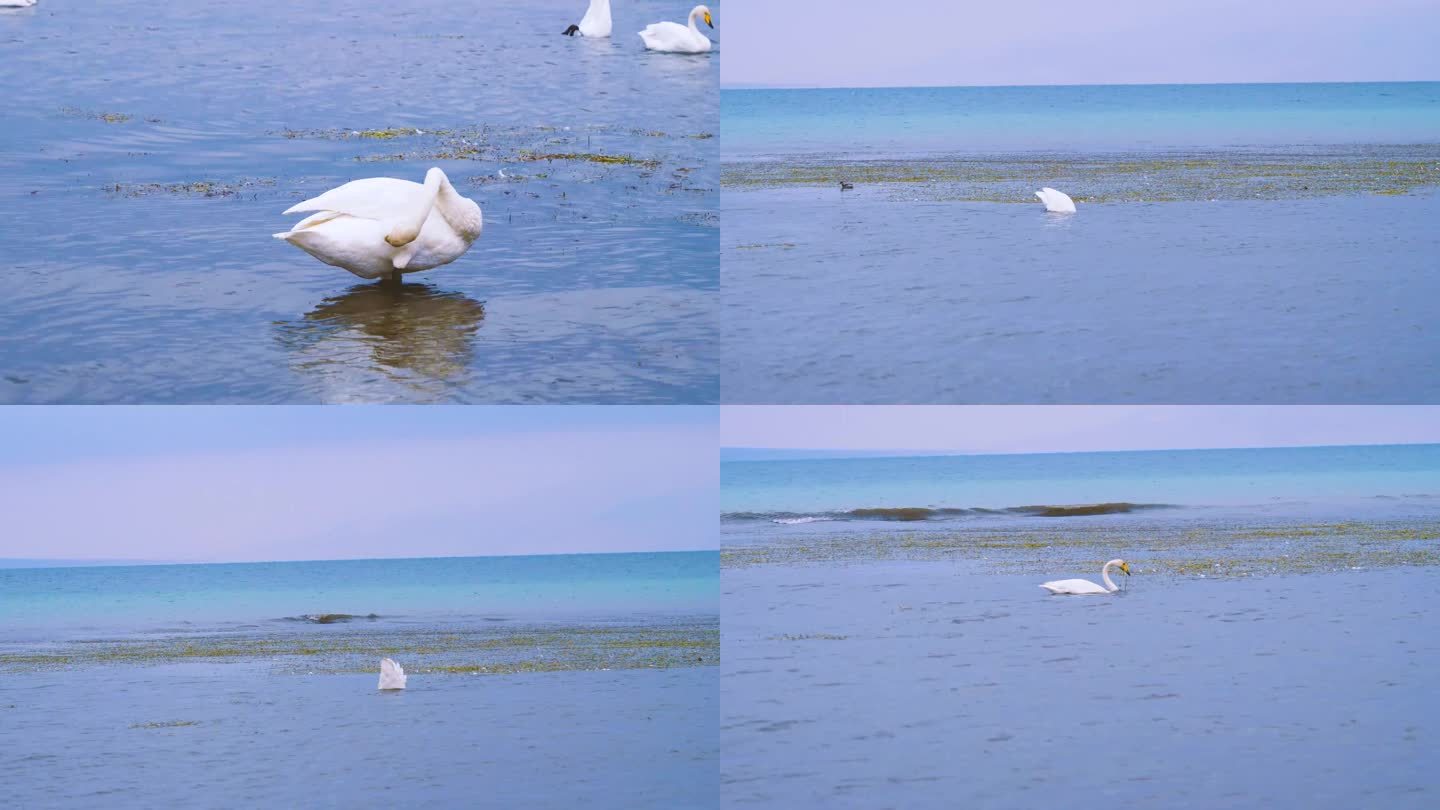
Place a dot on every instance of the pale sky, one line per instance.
(847, 43)
(231, 484)
(1069, 428)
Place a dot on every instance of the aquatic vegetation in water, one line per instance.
(1210, 551)
(485, 650)
(196, 188)
(1110, 178)
(167, 724)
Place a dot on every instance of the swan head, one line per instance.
(704, 14)
(1122, 565)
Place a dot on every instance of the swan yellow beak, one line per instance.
(1126, 568)
(707, 20)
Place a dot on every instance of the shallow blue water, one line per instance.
(1322, 300)
(940, 684)
(625, 739)
(1390, 478)
(911, 120)
(53, 603)
(150, 149)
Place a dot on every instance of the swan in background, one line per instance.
(595, 23)
(1085, 586)
(16, 3)
(672, 37)
(381, 227)
(1056, 202)
(391, 675)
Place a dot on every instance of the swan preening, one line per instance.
(391, 675)
(1080, 587)
(672, 37)
(381, 227)
(1056, 202)
(595, 23)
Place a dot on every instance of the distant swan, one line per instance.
(1085, 586)
(381, 227)
(672, 37)
(595, 23)
(1056, 202)
(391, 675)
(16, 3)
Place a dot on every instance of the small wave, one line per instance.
(329, 618)
(929, 513)
(791, 521)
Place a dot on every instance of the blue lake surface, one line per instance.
(151, 148)
(1309, 477)
(919, 120)
(51, 603)
(1272, 648)
(1233, 244)
(540, 681)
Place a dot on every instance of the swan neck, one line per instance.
(693, 12)
(1105, 575)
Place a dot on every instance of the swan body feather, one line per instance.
(670, 37)
(381, 227)
(1084, 587)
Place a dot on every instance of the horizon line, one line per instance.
(114, 562)
(899, 452)
(786, 86)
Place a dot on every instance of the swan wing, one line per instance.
(392, 676)
(1073, 586)
(1056, 201)
(380, 198)
(663, 36)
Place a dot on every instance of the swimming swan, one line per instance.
(672, 37)
(1081, 587)
(1056, 202)
(381, 227)
(391, 675)
(595, 23)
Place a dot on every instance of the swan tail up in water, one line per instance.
(1082, 587)
(380, 227)
(1056, 202)
(669, 37)
(595, 23)
(392, 676)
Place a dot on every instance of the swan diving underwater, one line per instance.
(595, 23)
(1084, 587)
(1056, 202)
(381, 227)
(392, 676)
(669, 37)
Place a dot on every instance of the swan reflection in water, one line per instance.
(386, 342)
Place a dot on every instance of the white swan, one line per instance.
(1085, 586)
(675, 38)
(17, 3)
(595, 23)
(381, 227)
(1056, 202)
(391, 675)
